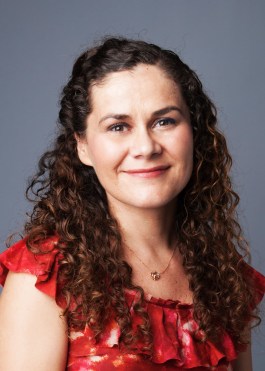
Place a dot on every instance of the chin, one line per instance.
(150, 202)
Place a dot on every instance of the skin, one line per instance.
(143, 124)
(244, 361)
(31, 328)
(141, 138)
(124, 134)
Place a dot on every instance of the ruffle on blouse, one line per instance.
(176, 339)
(257, 281)
(44, 266)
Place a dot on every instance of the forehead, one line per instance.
(144, 86)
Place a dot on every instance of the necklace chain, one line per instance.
(154, 274)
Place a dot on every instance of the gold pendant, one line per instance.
(155, 276)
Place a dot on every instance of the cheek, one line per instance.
(105, 155)
(187, 136)
(182, 145)
(188, 147)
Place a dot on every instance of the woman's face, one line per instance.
(139, 138)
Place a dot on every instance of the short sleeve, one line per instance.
(45, 266)
(257, 282)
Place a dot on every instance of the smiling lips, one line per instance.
(148, 173)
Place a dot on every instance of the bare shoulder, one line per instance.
(31, 327)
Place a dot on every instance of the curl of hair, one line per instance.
(70, 201)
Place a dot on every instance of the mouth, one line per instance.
(149, 172)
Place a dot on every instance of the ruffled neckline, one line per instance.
(176, 338)
(168, 303)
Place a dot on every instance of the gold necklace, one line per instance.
(154, 274)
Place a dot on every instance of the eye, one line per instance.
(118, 127)
(165, 122)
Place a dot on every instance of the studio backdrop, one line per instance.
(223, 41)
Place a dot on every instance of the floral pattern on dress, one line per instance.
(177, 343)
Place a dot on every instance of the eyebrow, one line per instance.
(162, 111)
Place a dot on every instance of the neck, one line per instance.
(150, 231)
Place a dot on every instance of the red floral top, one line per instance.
(177, 344)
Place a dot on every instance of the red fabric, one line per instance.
(177, 344)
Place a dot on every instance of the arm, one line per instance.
(243, 361)
(33, 336)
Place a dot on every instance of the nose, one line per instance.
(144, 144)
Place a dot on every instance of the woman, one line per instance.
(133, 258)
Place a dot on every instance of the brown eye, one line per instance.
(118, 127)
(165, 122)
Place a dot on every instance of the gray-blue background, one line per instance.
(222, 40)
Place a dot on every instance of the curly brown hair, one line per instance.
(70, 201)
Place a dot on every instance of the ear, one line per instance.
(83, 150)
